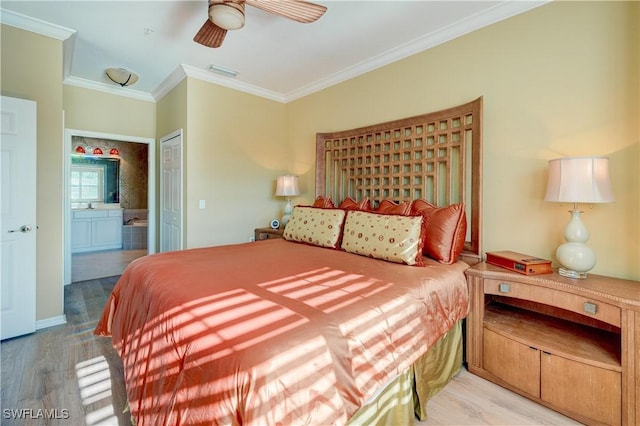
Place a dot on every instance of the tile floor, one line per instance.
(101, 264)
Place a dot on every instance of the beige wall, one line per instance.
(96, 111)
(234, 150)
(171, 116)
(561, 80)
(21, 79)
(171, 111)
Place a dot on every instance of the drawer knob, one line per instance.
(590, 308)
(504, 288)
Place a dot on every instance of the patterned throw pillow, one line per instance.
(388, 237)
(316, 226)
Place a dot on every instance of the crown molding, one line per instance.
(499, 12)
(169, 83)
(232, 83)
(34, 25)
(108, 88)
(183, 71)
(68, 47)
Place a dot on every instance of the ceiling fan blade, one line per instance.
(298, 10)
(210, 35)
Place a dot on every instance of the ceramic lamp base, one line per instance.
(574, 256)
(288, 209)
(571, 274)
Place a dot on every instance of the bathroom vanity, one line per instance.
(96, 229)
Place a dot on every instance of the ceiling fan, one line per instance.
(227, 15)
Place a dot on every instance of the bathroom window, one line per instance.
(87, 183)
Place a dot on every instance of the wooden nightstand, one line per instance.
(267, 233)
(571, 345)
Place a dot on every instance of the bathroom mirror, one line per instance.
(95, 179)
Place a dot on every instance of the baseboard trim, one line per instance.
(50, 322)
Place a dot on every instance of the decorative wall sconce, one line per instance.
(90, 150)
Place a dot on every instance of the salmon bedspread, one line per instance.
(273, 332)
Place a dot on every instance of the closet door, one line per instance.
(171, 192)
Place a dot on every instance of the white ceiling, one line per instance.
(274, 57)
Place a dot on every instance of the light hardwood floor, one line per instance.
(78, 378)
(100, 264)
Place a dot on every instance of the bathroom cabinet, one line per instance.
(96, 229)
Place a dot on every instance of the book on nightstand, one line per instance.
(518, 262)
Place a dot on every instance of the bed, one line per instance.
(354, 317)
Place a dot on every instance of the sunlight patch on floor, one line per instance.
(94, 381)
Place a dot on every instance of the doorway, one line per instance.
(110, 260)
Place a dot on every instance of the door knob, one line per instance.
(23, 228)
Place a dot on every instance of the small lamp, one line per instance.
(578, 180)
(287, 186)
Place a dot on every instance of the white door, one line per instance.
(18, 217)
(171, 192)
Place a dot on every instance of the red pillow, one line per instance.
(350, 204)
(391, 207)
(323, 202)
(445, 230)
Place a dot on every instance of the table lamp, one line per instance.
(578, 180)
(287, 186)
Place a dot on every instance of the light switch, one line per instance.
(202, 204)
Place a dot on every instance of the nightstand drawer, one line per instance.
(261, 234)
(571, 302)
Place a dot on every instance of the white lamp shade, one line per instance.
(579, 180)
(287, 186)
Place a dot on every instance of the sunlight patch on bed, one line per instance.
(294, 372)
(370, 354)
(94, 381)
(326, 289)
(240, 319)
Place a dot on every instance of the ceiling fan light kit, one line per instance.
(121, 76)
(227, 15)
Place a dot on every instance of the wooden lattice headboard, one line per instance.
(435, 156)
